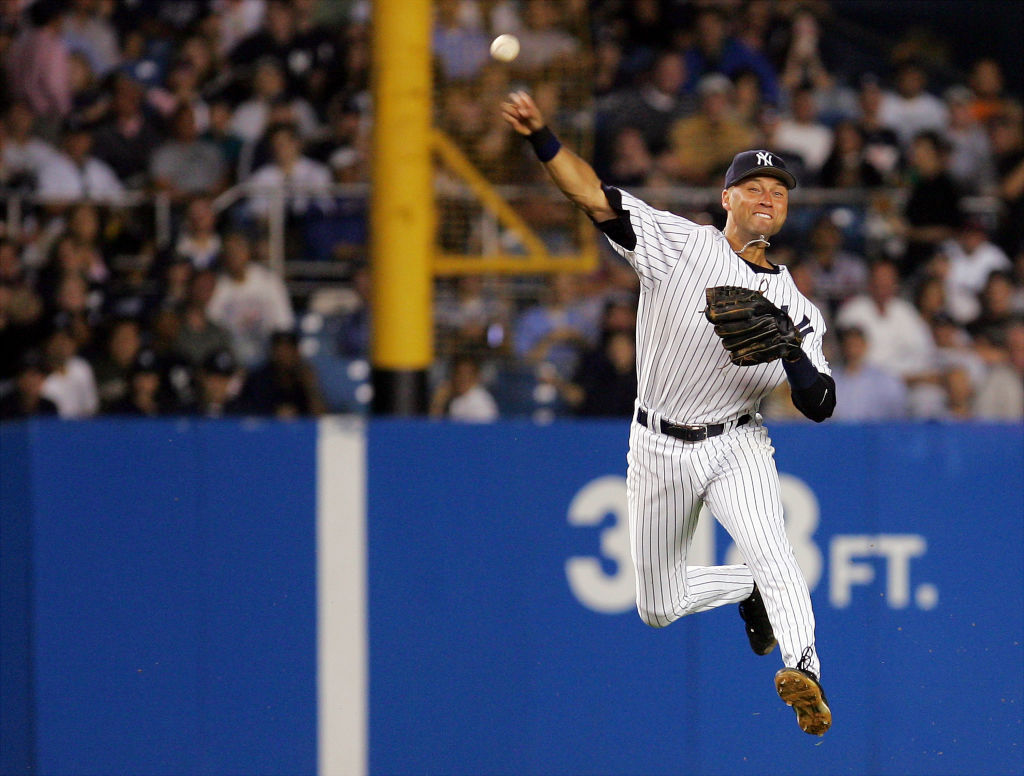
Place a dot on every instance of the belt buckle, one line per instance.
(700, 431)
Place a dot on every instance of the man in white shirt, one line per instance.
(972, 258)
(70, 384)
(250, 301)
(898, 338)
(464, 397)
(803, 134)
(76, 174)
(301, 179)
(23, 152)
(912, 110)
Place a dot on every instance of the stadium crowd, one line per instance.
(920, 274)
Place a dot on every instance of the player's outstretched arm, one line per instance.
(571, 174)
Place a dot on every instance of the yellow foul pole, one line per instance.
(402, 206)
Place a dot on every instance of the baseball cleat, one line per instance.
(759, 627)
(800, 689)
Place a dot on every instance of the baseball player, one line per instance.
(718, 328)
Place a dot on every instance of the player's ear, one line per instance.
(725, 199)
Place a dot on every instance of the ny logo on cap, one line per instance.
(764, 158)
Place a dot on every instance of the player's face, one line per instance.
(757, 205)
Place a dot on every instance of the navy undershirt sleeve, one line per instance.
(813, 392)
(618, 229)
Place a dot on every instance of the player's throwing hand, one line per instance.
(522, 113)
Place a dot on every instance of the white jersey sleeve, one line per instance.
(658, 238)
(812, 342)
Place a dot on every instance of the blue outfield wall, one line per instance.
(159, 609)
(172, 597)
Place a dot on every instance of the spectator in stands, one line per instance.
(24, 154)
(198, 336)
(199, 241)
(89, 103)
(463, 397)
(997, 313)
(220, 381)
(12, 273)
(471, 317)
(38, 64)
(898, 339)
(633, 161)
(22, 325)
(276, 40)
(286, 387)
(803, 63)
(76, 309)
(86, 29)
(768, 122)
(959, 395)
(545, 42)
(866, 392)
(954, 349)
(181, 90)
(930, 298)
(803, 134)
(354, 326)
(458, 43)
(249, 300)
(76, 174)
(221, 134)
(305, 182)
(127, 138)
(559, 328)
(702, 146)
(144, 396)
(604, 384)
(971, 259)
(27, 399)
(881, 144)
(911, 109)
(176, 276)
(1007, 135)
(345, 133)
(715, 51)
(236, 21)
(316, 52)
(112, 371)
(932, 212)
(847, 166)
(1000, 394)
(747, 101)
(653, 108)
(70, 384)
(186, 166)
(838, 274)
(970, 157)
(269, 87)
(987, 84)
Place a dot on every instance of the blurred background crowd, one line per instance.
(184, 183)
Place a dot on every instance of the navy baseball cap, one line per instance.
(748, 163)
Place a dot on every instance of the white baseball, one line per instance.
(505, 48)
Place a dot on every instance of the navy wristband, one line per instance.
(544, 143)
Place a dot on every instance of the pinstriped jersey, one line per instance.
(683, 372)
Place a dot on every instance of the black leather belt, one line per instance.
(689, 433)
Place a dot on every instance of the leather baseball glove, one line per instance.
(753, 330)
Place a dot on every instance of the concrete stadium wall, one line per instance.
(175, 600)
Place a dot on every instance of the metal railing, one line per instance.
(274, 223)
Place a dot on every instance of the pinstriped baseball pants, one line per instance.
(734, 474)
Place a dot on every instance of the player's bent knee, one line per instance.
(656, 618)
